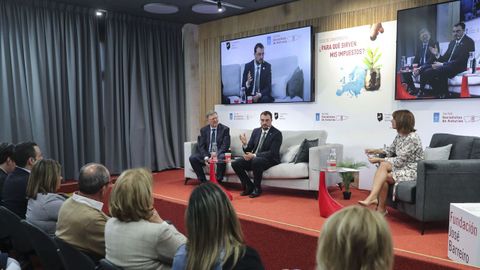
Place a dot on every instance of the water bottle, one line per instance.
(403, 63)
(472, 62)
(243, 96)
(332, 161)
(213, 152)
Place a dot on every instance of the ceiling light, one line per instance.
(219, 6)
(100, 12)
(159, 8)
(207, 8)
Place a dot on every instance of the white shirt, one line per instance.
(27, 170)
(90, 202)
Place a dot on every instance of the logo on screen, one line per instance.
(276, 115)
(228, 45)
(379, 117)
(317, 116)
(436, 117)
(231, 116)
(269, 40)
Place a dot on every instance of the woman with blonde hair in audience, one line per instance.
(355, 238)
(136, 237)
(400, 163)
(43, 203)
(215, 239)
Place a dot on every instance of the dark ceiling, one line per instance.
(184, 14)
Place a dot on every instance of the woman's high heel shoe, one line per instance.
(366, 204)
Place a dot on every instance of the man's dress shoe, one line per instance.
(256, 192)
(246, 192)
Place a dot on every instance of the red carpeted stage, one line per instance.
(283, 225)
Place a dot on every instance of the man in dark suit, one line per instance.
(423, 57)
(454, 61)
(15, 186)
(214, 132)
(257, 77)
(261, 153)
(7, 165)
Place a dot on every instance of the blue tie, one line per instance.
(262, 140)
(424, 60)
(257, 81)
(453, 50)
(213, 138)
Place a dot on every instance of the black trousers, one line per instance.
(438, 80)
(197, 162)
(257, 165)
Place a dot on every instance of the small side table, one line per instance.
(213, 178)
(465, 87)
(326, 203)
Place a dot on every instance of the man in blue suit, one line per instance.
(7, 164)
(261, 153)
(213, 132)
(257, 77)
(454, 61)
(423, 58)
(15, 186)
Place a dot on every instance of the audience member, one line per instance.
(213, 132)
(43, 203)
(215, 238)
(15, 186)
(8, 263)
(400, 163)
(7, 164)
(355, 238)
(261, 153)
(81, 221)
(136, 237)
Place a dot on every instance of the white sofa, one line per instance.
(303, 176)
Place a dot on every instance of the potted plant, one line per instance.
(372, 75)
(348, 168)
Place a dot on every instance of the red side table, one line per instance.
(213, 179)
(326, 203)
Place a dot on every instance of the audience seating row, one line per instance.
(53, 253)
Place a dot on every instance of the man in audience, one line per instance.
(14, 189)
(7, 164)
(450, 64)
(213, 132)
(81, 221)
(257, 77)
(261, 153)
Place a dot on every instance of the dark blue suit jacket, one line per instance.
(3, 176)
(458, 61)
(430, 57)
(14, 192)
(265, 78)
(271, 146)
(222, 138)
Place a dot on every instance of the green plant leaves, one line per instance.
(372, 58)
